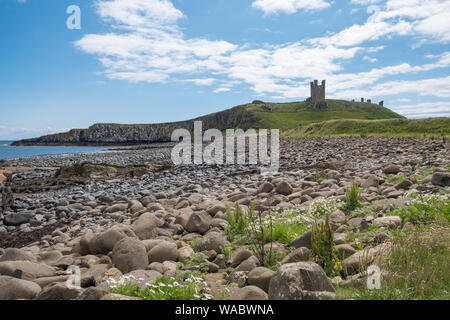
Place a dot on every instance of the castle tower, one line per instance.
(318, 94)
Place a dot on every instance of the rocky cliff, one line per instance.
(118, 134)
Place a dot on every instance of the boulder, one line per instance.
(13, 289)
(362, 259)
(358, 223)
(129, 254)
(240, 256)
(389, 221)
(303, 240)
(135, 206)
(441, 179)
(284, 188)
(105, 241)
(92, 294)
(59, 291)
(164, 251)
(212, 241)
(338, 217)
(85, 240)
(371, 181)
(30, 270)
(120, 207)
(300, 281)
(248, 293)
(298, 255)
(266, 187)
(215, 208)
(345, 250)
(13, 254)
(144, 226)
(94, 275)
(391, 169)
(16, 219)
(405, 185)
(260, 277)
(248, 264)
(198, 222)
(184, 253)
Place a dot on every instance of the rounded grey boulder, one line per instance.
(13, 289)
(164, 251)
(300, 281)
(198, 222)
(129, 254)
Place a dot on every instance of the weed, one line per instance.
(352, 198)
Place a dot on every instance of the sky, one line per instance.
(150, 61)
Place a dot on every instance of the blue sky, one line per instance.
(148, 61)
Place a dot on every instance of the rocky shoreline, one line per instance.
(148, 225)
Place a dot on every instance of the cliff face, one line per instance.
(116, 134)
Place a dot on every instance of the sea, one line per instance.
(8, 152)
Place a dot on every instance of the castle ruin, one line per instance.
(317, 98)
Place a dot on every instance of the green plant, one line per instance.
(256, 232)
(284, 233)
(320, 175)
(424, 209)
(227, 251)
(273, 261)
(194, 242)
(352, 198)
(197, 260)
(193, 288)
(323, 251)
(416, 268)
(237, 222)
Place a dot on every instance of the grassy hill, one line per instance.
(282, 116)
(422, 128)
(291, 115)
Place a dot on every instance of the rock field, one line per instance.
(147, 226)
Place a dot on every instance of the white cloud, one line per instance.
(435, 87)
(364, 2)
(219, 90)
(146, 44)
(367, 58)
(202, 82)
(424, 110)
(139, 13)
(289, 6)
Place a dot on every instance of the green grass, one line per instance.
(417, 266)
(198, 259)
(425, 210)
(395, 179)
(291, 115)
(438, 128)
(284, 232)
(163, 288)
(237, 222)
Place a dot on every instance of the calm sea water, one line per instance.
(9, 152)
